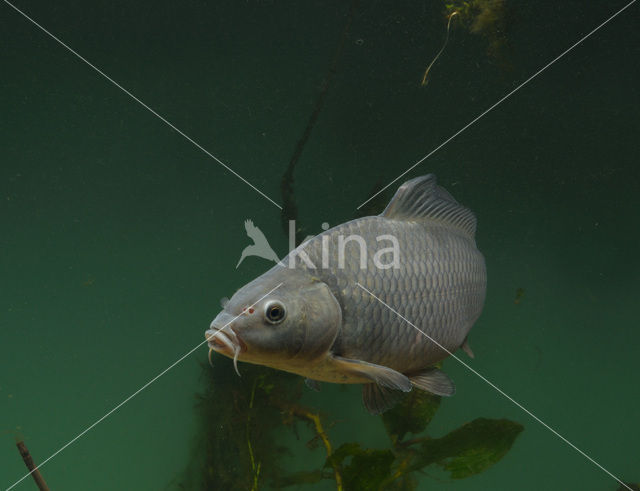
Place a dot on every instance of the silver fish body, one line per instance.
(418, 257)
(439, 287)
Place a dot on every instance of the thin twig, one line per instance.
(33, 469)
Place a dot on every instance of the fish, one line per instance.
(331, 312)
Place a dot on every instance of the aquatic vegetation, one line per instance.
(466, 451)
(485, 18)
(235, 447)
(242, 422)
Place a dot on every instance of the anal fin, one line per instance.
(434, 381)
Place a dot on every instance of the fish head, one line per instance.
(283, 319)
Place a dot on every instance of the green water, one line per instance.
(118, 237)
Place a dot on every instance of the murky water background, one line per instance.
(118, 237)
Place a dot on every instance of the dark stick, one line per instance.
(33, 470)
(289, 208)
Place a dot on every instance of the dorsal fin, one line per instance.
(422, 199)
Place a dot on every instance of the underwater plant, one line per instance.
(466, 451)
(234, 446)
(485, 18)
(237, 445)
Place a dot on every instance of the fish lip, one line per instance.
(224, 340)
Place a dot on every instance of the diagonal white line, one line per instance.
(493, 385)
(499, 102)
(79, 435)
(161, 118)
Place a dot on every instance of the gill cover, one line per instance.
(309, 326)
(318, 317)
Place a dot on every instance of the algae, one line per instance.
(488, 19)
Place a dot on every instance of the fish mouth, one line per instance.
(226, 341)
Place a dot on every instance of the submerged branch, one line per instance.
(33, 469)
(289, 207)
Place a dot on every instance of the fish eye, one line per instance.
(274, 312)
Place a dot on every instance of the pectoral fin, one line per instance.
(378, 399)
(383, 376)
(434, 381)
